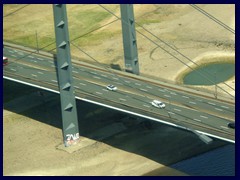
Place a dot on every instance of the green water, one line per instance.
(213, 74)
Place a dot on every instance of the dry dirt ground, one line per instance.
(113, 143)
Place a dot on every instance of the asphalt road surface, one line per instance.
(134, 95)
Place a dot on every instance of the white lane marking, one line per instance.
(82, 84)
(122, 110)
(143, 89)
(224, 127)
(50, 62)
(225, 107)
(137, 84)
(122, 99)
(39, 72)
(13, 69)
(115, 78)
(20, 53)
(146, 105)
(118, 83)
(192, 102)
(199, 100)
(105, 90)
(76, 87)
(35, 61)
(31, 57)
(161, 90)
(177, 109)
(173, 93)
(218, 109)
(197, 120)
(96, 77)
(75, 72)
(40, 59)
(204, 117)
(211, 103)
(99, 93)
(171, 113)
(149, 87)
(11, 51)
(13, 55)
(93, 72)
(82, 70)
(185, 97)
(127, 81)
(103, 75)
(34, 75)
(53, 80)
(53, 66)
(167, 95)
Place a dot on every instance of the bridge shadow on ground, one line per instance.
(153, 140)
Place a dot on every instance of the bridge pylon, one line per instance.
(129, 39)
(65, 81)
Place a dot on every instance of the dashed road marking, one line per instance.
(53, 80)
(143, 89)
(204, 117)
(197, 120)
(122, 99)
(115, 78)
(161, 90)
(103, 75)
(137, 84)
(99, 93)
(13, 55)
(76, 87)
(166, 95)
(192, 102)
(93, 72)
(171, 112)
(173, 93)
(34, 75)
(75, 72)
(96, 77)
(146, 105)
(149, 87)
(82, 84)
(177, 109)
(31, 57)
(185, 97)
(13, 69)
(224, 127)
(225, 107)
(211, 103)
(40, 72)
(127, 81)
(218, 109)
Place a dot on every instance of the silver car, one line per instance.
(111, 87)
(158, 104)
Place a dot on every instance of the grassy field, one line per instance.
(22, 26)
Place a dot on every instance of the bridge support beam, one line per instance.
(65, 80)
(129, 39)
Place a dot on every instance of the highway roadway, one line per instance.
(134, 95)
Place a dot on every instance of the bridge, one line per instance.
(185, 108)
(188, 109)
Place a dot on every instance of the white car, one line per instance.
(158, 104)
(111, 87)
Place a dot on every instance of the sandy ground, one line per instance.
(32, 136)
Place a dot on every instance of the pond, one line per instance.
(210, 74)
